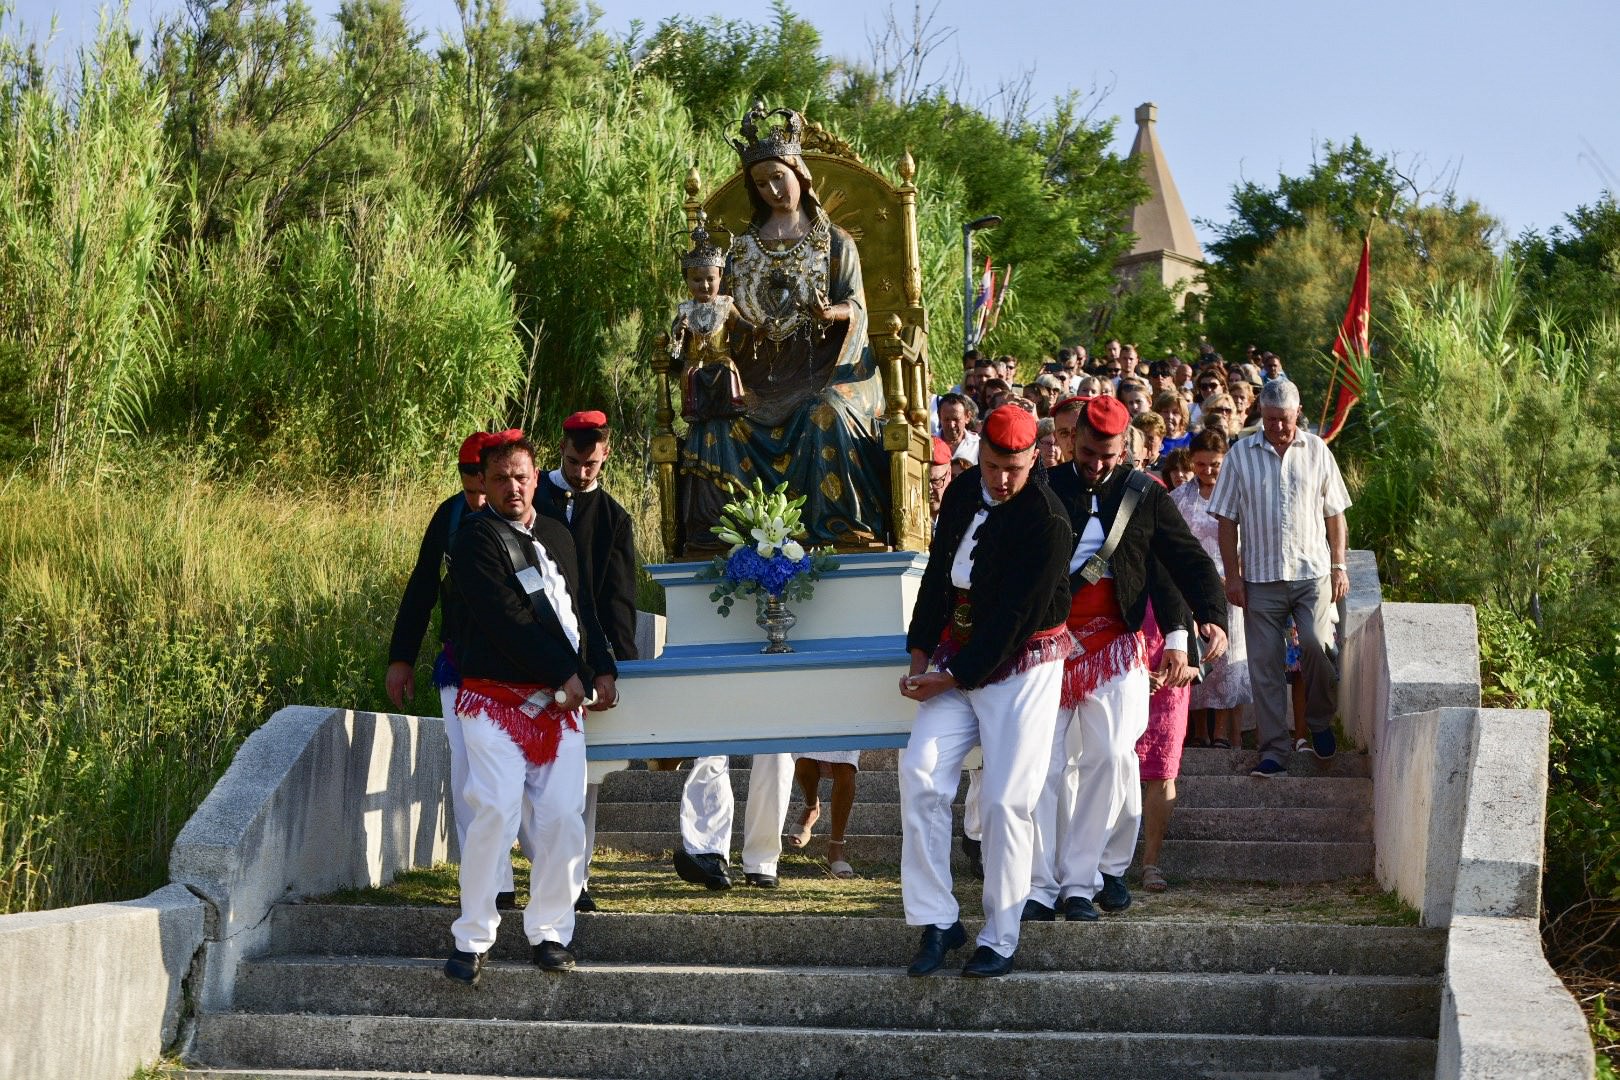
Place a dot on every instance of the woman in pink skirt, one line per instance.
(1159, 750)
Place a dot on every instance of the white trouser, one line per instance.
(1012, 720)
(458, 783)
(972, 825)
(502, 789)
(1090, 810)
(458, 777)
(707, 810)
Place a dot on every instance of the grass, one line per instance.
(646, 884)
(144, 633)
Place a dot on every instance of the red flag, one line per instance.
(1353, 341)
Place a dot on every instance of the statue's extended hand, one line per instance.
(827, 311)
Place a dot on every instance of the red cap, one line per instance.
(1107, 416)
(1064, 403)
(1011, 429)
(471, 447)
(501, 438)
(942, 451)
(589, 420)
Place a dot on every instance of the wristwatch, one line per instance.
(1339, 566)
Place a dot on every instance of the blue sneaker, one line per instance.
(1323, 744)
(1267, 767)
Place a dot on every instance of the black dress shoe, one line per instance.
(1079, 909)
(1035, 911)
(761, 881)
(974, 851)
(934, 945)
(708, 870)
(583, 901)
(464, 967)
(506, 901)
(986, 964)
(1114, 896)
(552, 956)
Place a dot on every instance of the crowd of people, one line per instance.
(1127, 557)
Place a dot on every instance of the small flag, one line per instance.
(1353, 343)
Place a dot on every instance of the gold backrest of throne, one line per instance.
(882, 220)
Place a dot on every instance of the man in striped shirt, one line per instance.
(1280, 494)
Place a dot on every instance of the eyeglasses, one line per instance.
(1221, 411)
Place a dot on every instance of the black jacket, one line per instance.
(422, 590)
(500, 636)
(1156, 541)
(1020, 582)
(607, 556)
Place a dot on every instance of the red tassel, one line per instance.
(1042, 648)
(536, 728)
(1104, 657)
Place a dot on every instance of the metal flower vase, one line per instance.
(776, 620)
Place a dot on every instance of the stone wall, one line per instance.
(315, 800)
(95, 992)
(1460, 797)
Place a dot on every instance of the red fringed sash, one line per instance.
(1105, 649)
(526, 713)
(1042, 647)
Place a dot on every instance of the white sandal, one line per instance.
(838, 867)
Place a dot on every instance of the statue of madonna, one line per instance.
(811, 389)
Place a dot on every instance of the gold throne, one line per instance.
(882, 220)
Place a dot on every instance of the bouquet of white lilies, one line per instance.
(766, 558)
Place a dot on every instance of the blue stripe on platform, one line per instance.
(744, 656)
(877, 564)
(749, 745)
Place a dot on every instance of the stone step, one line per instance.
(1355, 792)
(566, 1048)
(1195, 761)
(1201, 860)
(731, 995)
(1202, 943)
(1202, 761)
(320, 1074)
(1188, 822)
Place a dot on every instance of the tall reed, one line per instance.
(84, 197)
(145, 634)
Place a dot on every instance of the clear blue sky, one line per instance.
(1521, 99)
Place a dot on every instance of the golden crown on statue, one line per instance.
(778, 141)
(704, 252)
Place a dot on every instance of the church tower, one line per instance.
(1166, 245)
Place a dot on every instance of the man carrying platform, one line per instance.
(990, 615)
(1130, 538)
(602, 533)
(423, 591)
(529, 645)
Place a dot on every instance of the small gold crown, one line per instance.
(778, 141)
(704, 252)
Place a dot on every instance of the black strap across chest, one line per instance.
(522, 557)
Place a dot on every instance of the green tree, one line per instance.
(1293, 294)
(1147, 315)
(712, 64)
(1574, 270)
(1282, 265)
